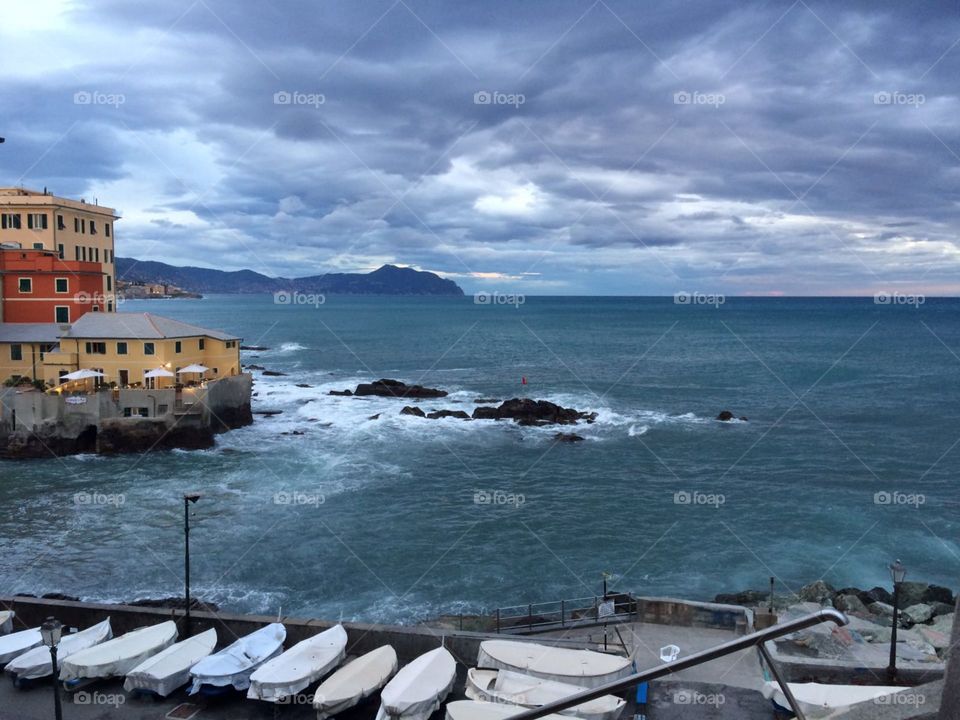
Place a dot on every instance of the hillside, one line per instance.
(386, 280)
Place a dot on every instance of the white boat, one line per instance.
(474, 710)
(165, 672)
(18, 643)
(300, 666)
(355, 681)
(6, 621)
(36, 663)
(823, 701)
(419, 688)
(585, 668)
(120, 655)
(506, 686)
(234, 665)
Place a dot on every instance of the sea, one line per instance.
(344, 508)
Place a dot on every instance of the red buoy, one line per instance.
(523, 380)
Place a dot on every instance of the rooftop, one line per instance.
(30, 332)
(138, 326)
(23, 196)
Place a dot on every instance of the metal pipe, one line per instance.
(787, 692)
(743, 643)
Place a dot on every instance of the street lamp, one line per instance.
(898, 572)
(187, 500)
(50, 631)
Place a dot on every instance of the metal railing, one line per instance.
(756, 639)
(554, 614)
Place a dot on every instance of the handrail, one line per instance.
(742, 643)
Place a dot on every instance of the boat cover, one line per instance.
(585, 668)
(235, 664)
(18, 643)
(506, 686)
(300, 666)
(818, 700)
(120, 655)
(6, 621)
(473, 710)
(165, 672)
(36, 663)
(355, 681)
(419, 688)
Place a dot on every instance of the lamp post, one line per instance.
(187, 500)
(50, 631)
(897, 573)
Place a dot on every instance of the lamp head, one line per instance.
(192, 497)
(898, 571)
(51, 631)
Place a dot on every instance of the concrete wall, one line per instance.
(950, 702)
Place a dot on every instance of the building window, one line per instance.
(162, 409)
(96, 348)
(10, 221)
(109, 283)
(36, 221)
(95, 308)
(216, 371)
(200, 343)
(149, 349)
(110, 306)
(231, 343)
(38, 246)
(93, 228)
(76, 225)
(62, 285)
(60, 224)
(76, 251)
(61, 314)
(83, 254)
(96, 253)
(25, 285)
(177, 346)
(60, 250)
(16, 352)
(83, 226)
(106, 229)
(121, 348)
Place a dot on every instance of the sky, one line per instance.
(568, 147)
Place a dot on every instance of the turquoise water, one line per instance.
(845, 399)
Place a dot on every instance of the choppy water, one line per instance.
(845, 399)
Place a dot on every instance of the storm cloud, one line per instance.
(597, 146)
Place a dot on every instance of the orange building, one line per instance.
(36, 286)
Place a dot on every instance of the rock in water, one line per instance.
(437, 414)
(343, 393)
(725, 416)
(273, 373)
(525, 411)
(395, 388)
(410, 410)
(567, 437)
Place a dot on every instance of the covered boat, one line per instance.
(474, 710)
(36, 663)
(18, 643)
(169, 669)
(6, 621)
(585, 668)
(506, 686)
(119, 655)
(233, 666)
(419, 688)
(300, 666)
(355, 681)
(822, 701)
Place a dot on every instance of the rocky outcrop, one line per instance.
(567, 438)
(397, 389)
(341, 393)
(817, 592)
(273, 373)
(727, 416)
(525, 411)
(135, 435)
(411, 410)
(437, 414)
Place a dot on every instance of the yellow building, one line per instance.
(74, 229)
(125, 347)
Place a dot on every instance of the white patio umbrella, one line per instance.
(193, 369)
(81, 375)
(158, 372)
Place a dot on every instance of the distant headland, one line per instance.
(386, 280)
